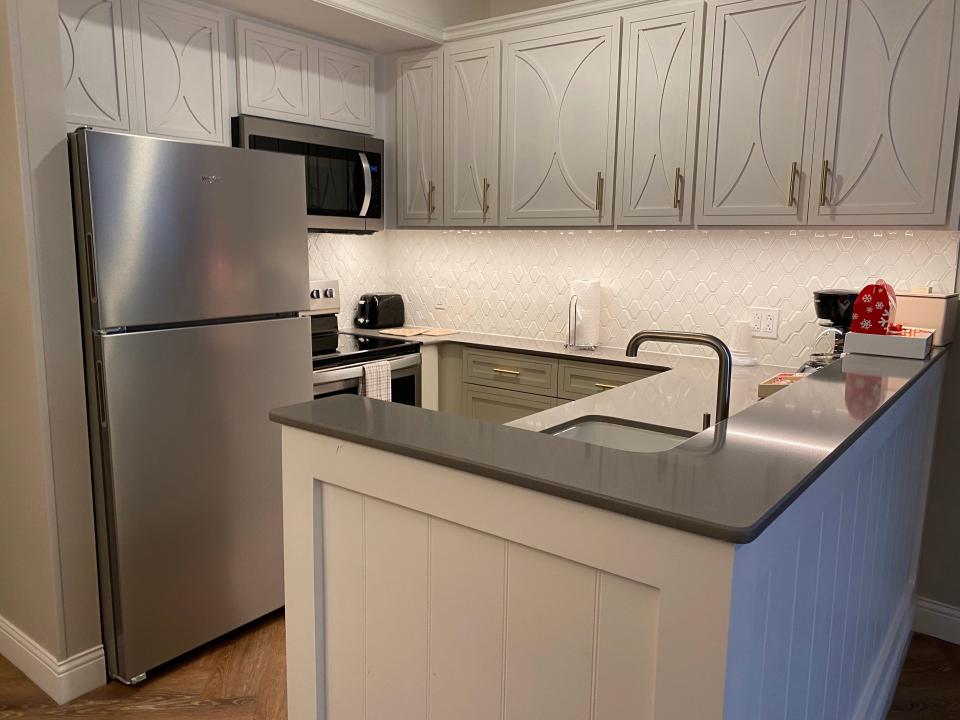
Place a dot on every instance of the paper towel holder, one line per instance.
(572, 326)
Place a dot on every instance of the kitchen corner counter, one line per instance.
(727, 483)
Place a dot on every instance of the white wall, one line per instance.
(516, 282)
(49, 604)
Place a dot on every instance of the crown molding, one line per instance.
(433, 34)
(532, 18)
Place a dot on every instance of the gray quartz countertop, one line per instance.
(728, 483)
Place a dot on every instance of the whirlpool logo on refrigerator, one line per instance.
(211, 179)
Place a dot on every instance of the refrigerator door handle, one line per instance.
(367, 185)
(101, 394)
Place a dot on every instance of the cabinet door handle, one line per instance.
(486, 196)
(430, 206)
(604, 386)
(792, 196)
(823, 183)
(503, 371)
(678, 178)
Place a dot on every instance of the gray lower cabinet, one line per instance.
(502, 386)
(502, 406)
(582, 379)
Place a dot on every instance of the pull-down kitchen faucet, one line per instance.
(684, 338)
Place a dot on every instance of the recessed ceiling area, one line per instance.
(382, 26)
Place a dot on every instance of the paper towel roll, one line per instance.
(585, 322)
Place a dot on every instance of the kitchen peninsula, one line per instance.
(439, 566)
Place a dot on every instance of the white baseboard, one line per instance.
(937, 620)
(878, 692)
(62, 680)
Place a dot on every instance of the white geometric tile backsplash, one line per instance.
(516, 282)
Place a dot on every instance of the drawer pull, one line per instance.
(604, 386)
(502, 371)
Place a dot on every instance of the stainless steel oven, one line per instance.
(404, 380)
(343, 170)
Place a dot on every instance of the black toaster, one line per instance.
(379, 310)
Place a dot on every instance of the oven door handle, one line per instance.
(367, 185)
(353, 372)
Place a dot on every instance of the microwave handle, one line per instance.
(367, 184)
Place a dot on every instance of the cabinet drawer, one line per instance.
(510, 371)
(578, 379)
(501, 406)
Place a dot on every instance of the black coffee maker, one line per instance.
(834, 310)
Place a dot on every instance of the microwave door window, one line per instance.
(334, 181)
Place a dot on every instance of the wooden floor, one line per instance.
(239, 677)
(242, 677)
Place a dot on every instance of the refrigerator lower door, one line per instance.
(191, 481)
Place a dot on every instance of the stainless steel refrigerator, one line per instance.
(193, 266)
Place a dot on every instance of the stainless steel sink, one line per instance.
(620, 434)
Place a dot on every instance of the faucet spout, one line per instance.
(704, 340)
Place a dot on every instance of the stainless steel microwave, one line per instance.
(343, 170)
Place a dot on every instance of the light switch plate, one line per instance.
(440, 297)
(765, 322)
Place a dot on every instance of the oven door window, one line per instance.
(335, 183)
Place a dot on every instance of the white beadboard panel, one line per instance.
(516, 282)
(395, 602)
(822, 601)
(343, 601)
(551, 613)
(628, 620)
(427, 618)
(466, 665)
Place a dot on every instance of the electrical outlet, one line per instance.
(765, 322)
(440, 297)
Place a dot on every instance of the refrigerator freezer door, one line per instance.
(181, 232)
(192, 475)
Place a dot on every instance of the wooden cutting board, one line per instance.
(413, 332)
(404, 331)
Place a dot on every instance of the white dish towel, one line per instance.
(375, 381)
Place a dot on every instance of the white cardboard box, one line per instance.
(930, 310)
(916, 346)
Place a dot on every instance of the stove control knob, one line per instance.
(329, 293)
(314, 294)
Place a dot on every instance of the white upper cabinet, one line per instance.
(757, 111)
(94, 73)
(886, 151)
(182, 63)
(559, 121)
(659, 101)
(287, 76)
(346, 88)
(472, 132)
(420, 139)
(274, 74)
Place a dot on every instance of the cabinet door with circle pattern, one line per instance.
(94, 69)
(274, 76)
(757, 111)
(659, 100)
(559, 123)
(346, 88)
(182, 63)
(886, 151)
